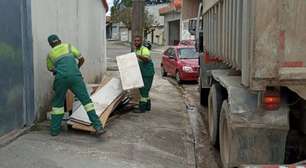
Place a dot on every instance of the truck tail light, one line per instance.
(271, 100)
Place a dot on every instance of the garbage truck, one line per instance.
(253, 79)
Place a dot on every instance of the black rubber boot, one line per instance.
(142, 108)
(56, 123)
(96, 123)
(148, 107)
(100, 131)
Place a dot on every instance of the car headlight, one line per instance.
(187, 69)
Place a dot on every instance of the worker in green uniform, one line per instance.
(147, 71)
(62, 62)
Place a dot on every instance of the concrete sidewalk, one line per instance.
(161, 138)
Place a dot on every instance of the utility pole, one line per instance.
(137, 20)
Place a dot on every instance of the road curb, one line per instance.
(12, 136)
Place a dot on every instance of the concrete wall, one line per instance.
(115, 31)
(16, 66)
(79, 22)
(185, 34)
(124, 34)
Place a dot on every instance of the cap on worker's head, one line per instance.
(53, 39)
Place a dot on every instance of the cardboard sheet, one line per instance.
(102, 99)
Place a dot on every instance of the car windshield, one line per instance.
(187, 53)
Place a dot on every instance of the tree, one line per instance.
(127, 3)
(150, 23)
(125, 16)
(121, 12)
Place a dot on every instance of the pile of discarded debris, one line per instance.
(107, 96)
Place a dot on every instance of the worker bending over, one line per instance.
(147, 71)
(61, 61)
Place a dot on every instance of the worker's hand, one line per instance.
(53, 72)
(81, 61)
(142, 58)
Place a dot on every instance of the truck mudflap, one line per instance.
(273, 166)
(255, 135)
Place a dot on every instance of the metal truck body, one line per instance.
(263, 39)
(252, 66)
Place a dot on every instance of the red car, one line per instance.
(181, 62)
(187, 43)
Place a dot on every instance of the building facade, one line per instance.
(172, 22)
(157, 35)
(189, 14)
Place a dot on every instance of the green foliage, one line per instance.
(125, 16)
(127, 3)
(149, 23)
(122, 12)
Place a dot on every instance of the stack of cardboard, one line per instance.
(106, 98)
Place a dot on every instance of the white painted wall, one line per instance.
(124, 34)
(115, 31)
(79, 22)
(185, 34)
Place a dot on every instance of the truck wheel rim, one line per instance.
(224, 143)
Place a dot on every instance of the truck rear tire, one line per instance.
(225, 136)
(214, 107)
(203, 95)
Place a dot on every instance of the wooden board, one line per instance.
(102, 99)
(129, 71)
(135, 96)
(105, 115)
(69, 101)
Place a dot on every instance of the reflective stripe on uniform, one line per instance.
(144, 99)
(58, 110)
(59, 58)
(59, 51)
(89, 107)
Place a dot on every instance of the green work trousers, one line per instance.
(147, 72)
(76, 84)
(145, 101)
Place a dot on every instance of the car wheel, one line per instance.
(163, 71)
(178, 78)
